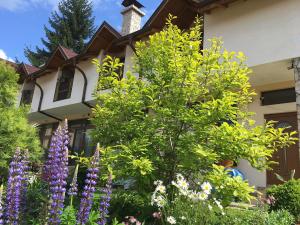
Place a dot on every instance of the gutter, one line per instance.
(40, 104)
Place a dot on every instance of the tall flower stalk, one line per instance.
(105, 201)
(56, 169)
(89, 190)
(15, 187)
(73, 190)
(1, 205)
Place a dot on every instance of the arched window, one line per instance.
(64, 84)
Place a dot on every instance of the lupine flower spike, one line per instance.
(105, 202)
(73, 186)
(57, 170)
(15, 188)
(1, 205)
(25, 163)
(89, 190)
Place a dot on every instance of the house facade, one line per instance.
(265, 30)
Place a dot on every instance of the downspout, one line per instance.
(83, 101)
(296, 67)
(40, 103)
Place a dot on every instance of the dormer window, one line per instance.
(64, 84)
(26, 98)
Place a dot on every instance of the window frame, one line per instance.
(25, 101)
(278, 96)
(62, 75)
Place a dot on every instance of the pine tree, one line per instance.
(70, 27)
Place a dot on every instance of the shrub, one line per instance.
(255, 217)
(287, 197)
(174, 116)
(14, 128)
(131, 203)
(281, 217)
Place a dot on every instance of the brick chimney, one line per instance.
(132, 16)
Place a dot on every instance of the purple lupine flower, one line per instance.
(105, 201)
(74, 186)
(1, 207)
(89, 189)
(25, 163)
(15, 188)
(56, 169)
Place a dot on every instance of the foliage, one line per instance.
(15, 131)
(131, 203)
(185, 111)
(71, 26)
(186, 205)
(255, 217)
(68, 216)
(35, 209)
(287, 197)
(229, 189)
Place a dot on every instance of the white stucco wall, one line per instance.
(265, 30)
(48, 84)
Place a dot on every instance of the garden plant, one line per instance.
(164, 130)
(183, 109)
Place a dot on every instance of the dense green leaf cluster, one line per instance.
(15, 131)
(287, 197)
(182, 109)
(255, 217)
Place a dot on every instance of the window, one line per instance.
(278, 96)
(64, 84)
(80, 137)
(26, 98)
(121, 69)
(80, 133)
(45, 133)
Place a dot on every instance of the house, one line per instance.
(265, 30)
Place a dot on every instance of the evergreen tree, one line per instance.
(70, 27)
(15, 131)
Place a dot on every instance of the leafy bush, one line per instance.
(36, 199)
(186, 204)
(287, 197)
(130, 203)
(281, 217)
(15, 131)
(174, 116)
(255, 217)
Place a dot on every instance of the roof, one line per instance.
(68, 53)
(107, 38)
(29, 69)
(127, 3)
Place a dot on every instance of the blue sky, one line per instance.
(22, 21)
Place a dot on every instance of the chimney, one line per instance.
(132, 16)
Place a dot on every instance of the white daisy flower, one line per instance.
(161, 188)
(206, 187)
(171, 220)
(202, 196)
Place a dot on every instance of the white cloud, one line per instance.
(17, 5)
(4, 56)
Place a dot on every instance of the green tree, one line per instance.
(184, 112)
(15, 131)
(70, 27)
